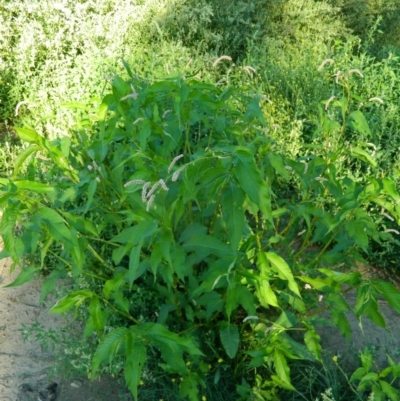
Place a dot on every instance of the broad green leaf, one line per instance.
(389, 292)
(55, 224)
(90, 194)
(75, 299)
(113, 285)
(136, 356)
(136, 233)
(281, 366)
(265, 294)
(391, 392)
(24, 276)
(232, 299)
(283, 270)
(50, 282)
(28, 135)
(232, 201)
(279, 166)
(120, 301)
(363, 155)
(108, 347)
(206, 245)
(366, 359)
(35, 186)
(158, 334)
(250, 180)
(286, 320)
(359, 122)
(96, 314)
(355, 229)
(358, 374)
(173, 361)
(389, 187)
(22, 157)
(134, 260)
(229, 335)
(7, 227)
(283, 384)
(313, 342)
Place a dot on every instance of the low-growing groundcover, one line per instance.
(174, 190)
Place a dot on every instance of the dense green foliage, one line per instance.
(207, 198)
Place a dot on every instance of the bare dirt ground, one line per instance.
(25, 373)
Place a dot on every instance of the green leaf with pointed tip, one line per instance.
(136, 356)
(283, 270)
(75, 299)
(359, 122)
(35, 187)
(281, 367)
(363, 155)
(313, 342)
(391, 392)
(113, 285)
(90, 194)
(108, 347)
(7, 227)
(28, 135)
(136, 233)
(24, 276)
(55, 224)
(389, 292)
(22, 157)
(96, 314)
(251, 181)
(134, 261)
(232, 201)
(229, 335)
(206, 245)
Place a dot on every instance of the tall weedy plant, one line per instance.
(173, 188)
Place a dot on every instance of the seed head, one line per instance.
(144, 191)
(134, 182)
(173, 162)
(358, 72)
(326, 61)
(177, 173)
(376, 99)
(218, 60)
(329, 101)
(150, 202)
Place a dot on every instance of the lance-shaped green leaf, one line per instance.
(35, 186)
(279, 265)
(75, 299)
(136, 233)
(206, 245)
(136, 355)
(359, 122)
(389, 292)
(229, 335)
(281, 368)
(90, 194)
(29, 135)
(7, 227)
(108, 348)
(24, 276)
(251, 181)
(22, 157)
(232, 201)
(55, 224)
(97, 314)
(134, 261)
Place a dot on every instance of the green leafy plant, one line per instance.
(173, 188)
